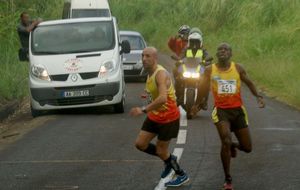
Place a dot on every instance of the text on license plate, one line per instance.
(77, 93)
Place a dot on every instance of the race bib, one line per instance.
(226, 86)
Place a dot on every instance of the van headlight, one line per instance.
(40, 72)
(191, 75)
(106, 68)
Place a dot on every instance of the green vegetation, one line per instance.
(13, 83)
(265, 35)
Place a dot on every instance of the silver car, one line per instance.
(132, 62)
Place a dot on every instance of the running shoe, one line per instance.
(168, 168)
(227, 186)
(180, 180)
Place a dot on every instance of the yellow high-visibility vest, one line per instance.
(199, 53)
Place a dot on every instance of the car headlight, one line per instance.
(140, 62)
(138, 65)
(40, 72)
(188, 74)
(106, 68)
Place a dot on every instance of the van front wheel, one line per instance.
(119, 108)
(34, 112)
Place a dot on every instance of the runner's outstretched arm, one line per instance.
(250, 84)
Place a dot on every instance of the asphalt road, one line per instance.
(94, 150)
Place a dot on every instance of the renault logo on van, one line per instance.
(74, 77)
(73, 65)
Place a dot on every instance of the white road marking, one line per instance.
(181, 138)
(161, 185)
(183, 120)
(61, 187)
(178, 152)
(277, 147)
(163, 181)
(278, 129)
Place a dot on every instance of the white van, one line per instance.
(86, 8)
(76, 63)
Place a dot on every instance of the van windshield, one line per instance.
(73, 38)
(81, 13)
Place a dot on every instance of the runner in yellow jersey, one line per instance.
(229, 115)
(162, 117)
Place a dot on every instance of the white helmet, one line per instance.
(196, 34)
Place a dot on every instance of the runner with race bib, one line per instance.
(229, 114)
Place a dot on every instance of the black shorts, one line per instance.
(237, 117)
(164, 131)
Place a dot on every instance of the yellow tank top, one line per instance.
(226, 87)
(169, 111)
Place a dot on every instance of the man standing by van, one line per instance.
(24, 29)
(162, 117)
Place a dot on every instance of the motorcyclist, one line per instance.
(196, 51)
(177, 45)
(179, 42)
(195, 47)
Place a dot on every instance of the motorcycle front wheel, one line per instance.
(190, 101)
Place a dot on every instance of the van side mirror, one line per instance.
(125, 45)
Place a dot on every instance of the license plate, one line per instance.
(79, 93)
(127, 67)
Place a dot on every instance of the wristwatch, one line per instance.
(144, 109)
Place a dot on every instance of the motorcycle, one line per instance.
(187, 82)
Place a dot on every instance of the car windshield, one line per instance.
(73, 38)
(136, 42)
(81, 13)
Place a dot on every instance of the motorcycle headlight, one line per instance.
(193, 75)
(187, 74)
(40, 72)
(106, 68)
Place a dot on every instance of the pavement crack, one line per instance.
(74, 161)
